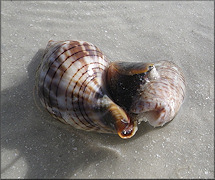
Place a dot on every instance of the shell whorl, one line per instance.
(72, 88)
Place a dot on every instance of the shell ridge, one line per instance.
(79, 106)
(50, 86)
(88, 120)
(79, 78)
(92, 92)
(54, 61)
(65, 50)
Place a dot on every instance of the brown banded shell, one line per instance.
(153, 92)
(72, 88)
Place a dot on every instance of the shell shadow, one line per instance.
(49, 148)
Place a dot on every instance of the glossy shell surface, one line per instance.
(72, 88)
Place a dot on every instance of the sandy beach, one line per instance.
(34, 145)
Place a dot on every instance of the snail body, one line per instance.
(72, 88)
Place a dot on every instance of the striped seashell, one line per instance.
(72, 88)
(152, 92)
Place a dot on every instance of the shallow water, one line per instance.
(34, 145)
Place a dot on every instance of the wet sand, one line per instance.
(34, 145)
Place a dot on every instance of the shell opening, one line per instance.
(123, 125)
(126, 131)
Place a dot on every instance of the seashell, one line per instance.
(72, 87)
(152, 92)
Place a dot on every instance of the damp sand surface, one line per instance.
(34, 145)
